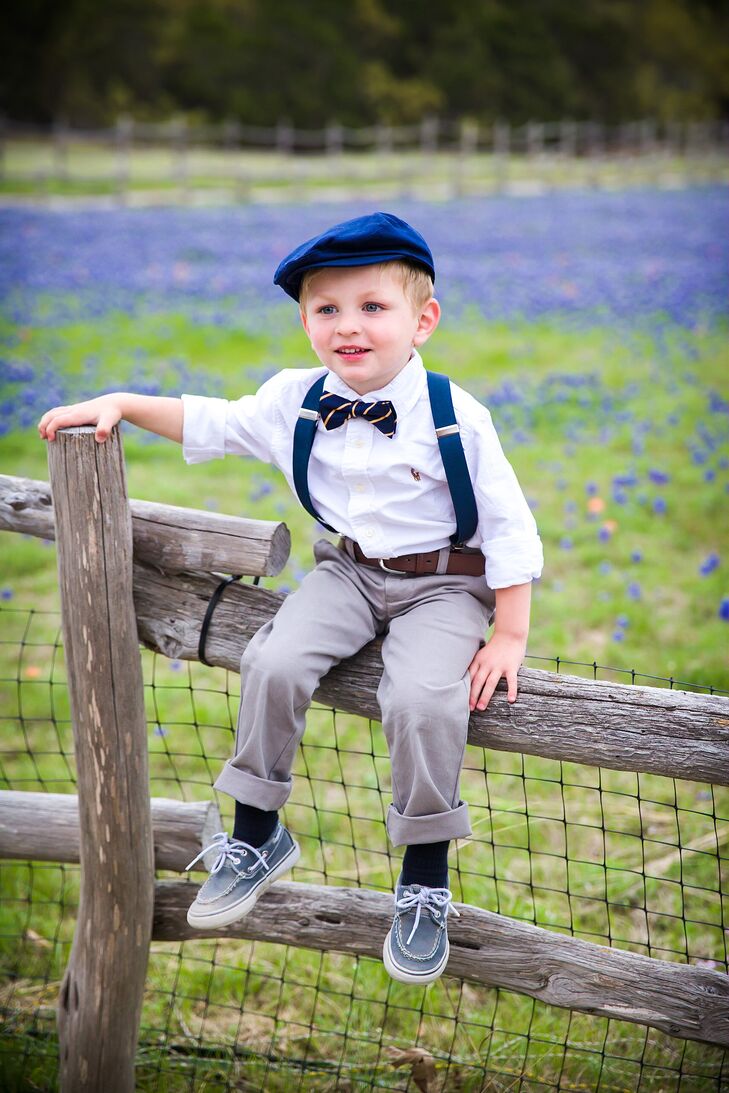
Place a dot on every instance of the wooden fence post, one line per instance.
(501, 152)
(60, 150)
(101, 995)
(467, 149)
(123, 135)
(179, 146)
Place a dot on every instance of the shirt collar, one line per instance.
(404, 390)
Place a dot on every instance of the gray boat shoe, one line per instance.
(239, 875)
(416, 948)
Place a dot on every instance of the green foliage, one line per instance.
(366, 61)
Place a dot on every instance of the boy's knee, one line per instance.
(410, 700)
(264, 657)
(276, 666)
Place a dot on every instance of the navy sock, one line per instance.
(253, 825)
(426, 863)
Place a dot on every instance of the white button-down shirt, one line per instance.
(390, 495)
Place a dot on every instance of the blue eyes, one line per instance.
(369, 309)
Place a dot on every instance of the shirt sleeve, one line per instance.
(506, 527)
(215, 427)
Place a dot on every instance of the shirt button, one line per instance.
(369, 532)
(359, 487)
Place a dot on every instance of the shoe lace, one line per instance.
(435, 900)
(229, 850)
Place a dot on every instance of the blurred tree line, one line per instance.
(362, 61)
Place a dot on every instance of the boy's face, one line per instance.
(362, 326)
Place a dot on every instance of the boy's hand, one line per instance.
(501, 656)
(103, 412)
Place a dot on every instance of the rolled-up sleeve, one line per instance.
(215, 427)
(508, 532)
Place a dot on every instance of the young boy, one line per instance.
(434, 535)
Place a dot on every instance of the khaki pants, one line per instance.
(432, 627)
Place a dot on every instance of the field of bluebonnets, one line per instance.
(592, 324)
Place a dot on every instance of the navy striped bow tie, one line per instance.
(335, 411)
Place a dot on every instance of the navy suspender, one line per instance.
(303, 440)
(454, 460)
(449, 442)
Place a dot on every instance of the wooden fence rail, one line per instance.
(566, 137)
(46, 827)
(486, 948)
(444, 156)
(667, 732)
(166, 536)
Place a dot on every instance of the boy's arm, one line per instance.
(156, 413)
(504, 652)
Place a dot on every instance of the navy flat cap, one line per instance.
(364, 241)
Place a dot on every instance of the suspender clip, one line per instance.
(310, 415)
(447, 430)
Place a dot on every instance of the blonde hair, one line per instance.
(417, 284)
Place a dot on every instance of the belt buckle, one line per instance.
(381, 563)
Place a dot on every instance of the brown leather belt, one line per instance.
(469, 565)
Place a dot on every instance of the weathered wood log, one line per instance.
(173, 538)
(486, 948)
(674, 733)
(45, 827)
(101, 995)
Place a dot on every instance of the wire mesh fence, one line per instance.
(635, 861)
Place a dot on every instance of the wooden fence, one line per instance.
(435, 156)
(115, 590)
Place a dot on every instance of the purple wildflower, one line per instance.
(262, 490)
(709, 564)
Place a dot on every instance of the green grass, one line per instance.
(608, 856)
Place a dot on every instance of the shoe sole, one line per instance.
(403, 975)
(202, 921)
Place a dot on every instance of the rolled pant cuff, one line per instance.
(411, 830)
(251, 790)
